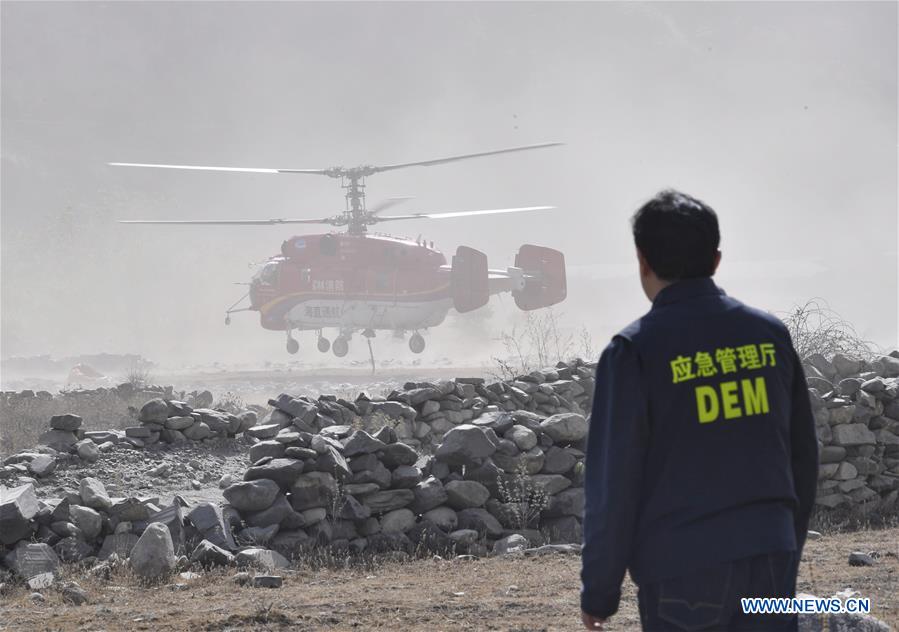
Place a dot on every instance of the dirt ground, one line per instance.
(510, 593)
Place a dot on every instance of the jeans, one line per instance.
(710, 599)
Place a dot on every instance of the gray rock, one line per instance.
(360, 442)
(93, 494)
(179, 423)
(254, 495)
(853, 434)
(89, 521)
(29, 560)
(443, 517)
(465, 445)
(265, 431)
(515, 543)
(67, 422)
(564, 530)
(388, 500)
(466, 494)
(551, 483)
(523, 438)
(118, 544)
(857, 558)
(209, 520)
(266, 581)
(428, 494)
(405, 477)
(198, 431)
(397, 521)
(565, 427)
(557, 460)
(262, 559)
(206, 554)
(315, 489)
(155, 410)
(73, 549)
(87, 450)
(839, 622)
(480, 520)
(281, 513)
(352, 509)
(332, 461)
(260, 536)
(284, 472)
(17, 508)
(569, 502)
(397, 454)
(73, 594)
(464, 537)
(153, 556)
(59, 440)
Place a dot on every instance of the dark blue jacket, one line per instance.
(702, 444)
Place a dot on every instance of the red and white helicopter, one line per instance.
(357, 281)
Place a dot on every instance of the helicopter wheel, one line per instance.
(323, 344)
(292, 346)
(417, 343)
(341, 346)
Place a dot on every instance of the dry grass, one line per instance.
(510, 593)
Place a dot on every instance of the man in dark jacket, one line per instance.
(702, 457)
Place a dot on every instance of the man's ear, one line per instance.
(645, 270)
(717, 261)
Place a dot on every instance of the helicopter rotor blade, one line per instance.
(206, 168)
(380, 207)
(440, 161)
(229, 222)
(451, 214)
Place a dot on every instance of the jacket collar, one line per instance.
(686, 289)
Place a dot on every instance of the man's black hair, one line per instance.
(678, 235)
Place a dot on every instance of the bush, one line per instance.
(816, 328)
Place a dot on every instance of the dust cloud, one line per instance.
(782, 116)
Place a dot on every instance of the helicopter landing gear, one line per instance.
(228, 320)
(341, 346)
(323, 344)
(417, 343)
(292, 345)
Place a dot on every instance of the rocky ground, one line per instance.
(514, 592)
(191, 470)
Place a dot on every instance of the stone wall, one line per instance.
(856, 407)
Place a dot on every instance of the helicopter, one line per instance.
(357, 281)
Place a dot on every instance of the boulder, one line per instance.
(466, 494)
(59, 440)
(397, 521)
(93, 494)
(284, 472)
(209, 520)
(155, 410)
(87, 450)
(65, 422)
(428, 494)
(17, 508)
(523, 438)
(206, 554)
(253, 495)
(360, 442)
(465, 445)
(565, 427)
(30, 560)
(120, 544)
(312, 490)
(388, 500)
(444, 517)
(261, 559)
(515, 543)
(89, 521)
(153, 556)
(480, 520)
(853, 434)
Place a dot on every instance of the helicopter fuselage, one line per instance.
(349, 281)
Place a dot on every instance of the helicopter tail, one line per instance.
(470, 279)
(543, 275)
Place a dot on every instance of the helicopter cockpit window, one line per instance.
(267, 274)
(328, 245)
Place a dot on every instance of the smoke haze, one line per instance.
(782, 116)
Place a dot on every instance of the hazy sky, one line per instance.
(782, 116)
